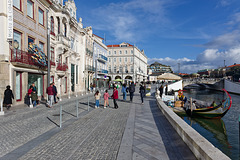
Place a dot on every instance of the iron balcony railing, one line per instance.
(62, 67)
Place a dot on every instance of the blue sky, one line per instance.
(198, 34)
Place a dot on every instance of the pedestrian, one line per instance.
(8, 96)
(54, 92)
(124, 91)
(97, 98)
(34, 88)
(131, 90)
(34, 98)
(106, 96)
(142, 92)
(115, 97)
(50, 95)
(29, 94)
(91, 86)
(161, 90)
(166, 90)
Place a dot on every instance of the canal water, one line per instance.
(222, 133)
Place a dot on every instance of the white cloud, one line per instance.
(209, 59)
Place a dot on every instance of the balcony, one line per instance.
(90, 68)
(102, 58)
(63, 40)
(62, 67)
(24, 59)
(52, 63)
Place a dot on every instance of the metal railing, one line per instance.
(62, 67)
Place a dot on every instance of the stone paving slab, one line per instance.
(133, 131)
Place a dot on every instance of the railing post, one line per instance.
(31, 105)
(60, 121)
(77, 107)
(88, 102)
(2, 112)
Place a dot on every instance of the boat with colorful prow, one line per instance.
(197, 108)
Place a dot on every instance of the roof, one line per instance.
(233, 65)
(98, 36)
(169, 76)
(118, 45)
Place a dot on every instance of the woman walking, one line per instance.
(97, 97)
(115, 97)
(142, 92)
(8, 96)
(106, 96)
(124, 91)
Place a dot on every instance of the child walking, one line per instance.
(97, 97)
(106, 96)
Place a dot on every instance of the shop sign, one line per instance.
(9, 20)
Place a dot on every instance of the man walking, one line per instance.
(54, 92)
(50, 95)
(131, 90)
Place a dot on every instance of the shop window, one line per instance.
(30, 9)
(51, 79)
(37, 79)
(17, 4)
(40, 16)
(18, 92)
(17, 40)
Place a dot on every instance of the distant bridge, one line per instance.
(201, 82)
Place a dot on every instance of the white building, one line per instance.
(100, 62)
(127, 62)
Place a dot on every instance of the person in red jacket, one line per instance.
(115, 97)
(50, 95)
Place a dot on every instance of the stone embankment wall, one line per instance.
(200, 147)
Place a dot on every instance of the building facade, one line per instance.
(24, 38)
(100, 61)
(127, 62)
(155, 69)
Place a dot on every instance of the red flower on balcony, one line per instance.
(62, 67)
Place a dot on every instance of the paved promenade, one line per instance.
(133, 131)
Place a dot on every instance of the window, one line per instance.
(52, 26)
(17, 40)
(125, 59)
(40, 16)
(52, 79)
(58, 21)
(71, 11)
(109, 59)
(121, 69)
(132, 69)
(125, 51)
(109, 52)
(72, 43)
(131, 51)
(52, 54)
(17, 4)
(120, 52)
(41, 45)
(114, 59)
(131, 59)
(109, 69)
(115, 69)
(30, 8)
(126, 69)
(115, 52)
(18, 92)
(30, 40)
(65, 29)
(120, 59)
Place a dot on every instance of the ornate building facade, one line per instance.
(127, 62)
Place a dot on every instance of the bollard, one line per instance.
(31, 105)
(77, 108)
(60, 123)
(88, 103)
(1, 112)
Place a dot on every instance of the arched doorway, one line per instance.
(118, 77)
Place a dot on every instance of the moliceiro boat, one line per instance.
(197, 108)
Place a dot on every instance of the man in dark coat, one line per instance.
(8, 96)
(131, 90)
(54, 92)
(161, 90)
(142, 92)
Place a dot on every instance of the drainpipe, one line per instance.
(48, 52)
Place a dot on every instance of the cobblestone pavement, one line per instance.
(133, 131)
